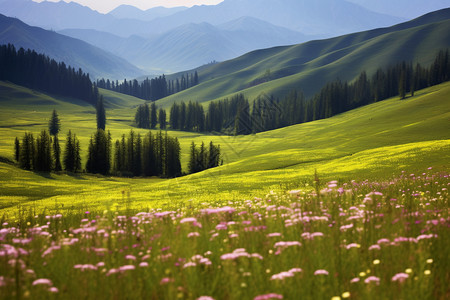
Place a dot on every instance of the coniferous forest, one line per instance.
(151, 89)
(39, 72)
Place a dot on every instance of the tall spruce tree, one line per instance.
(72, 158)
(56, 154)
(162, 119)
(27, 152)
(153, 115)
(43, 153)
(17, 149)
(101, 114)
(54, 125)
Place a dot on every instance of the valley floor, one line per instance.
(376, 141)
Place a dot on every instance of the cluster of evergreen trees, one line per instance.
(148, 117)
(202, 158)
(37, 71)
(43, 154)
(189, 117)
(151, 89)
(234, 116)
(151, 155)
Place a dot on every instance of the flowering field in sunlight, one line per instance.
(356, 240)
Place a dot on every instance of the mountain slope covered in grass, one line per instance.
(73, 52)
(309, 66)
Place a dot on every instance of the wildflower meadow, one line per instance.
(339, 240)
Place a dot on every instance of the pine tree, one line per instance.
(162, 119)
(72, 158)
(27, 152)
(43, 154)
(153, 116)
(17, 149)
(54, 125)
(56, 154)
(101, 114)
(193, 168)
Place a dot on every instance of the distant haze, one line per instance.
(105, 6)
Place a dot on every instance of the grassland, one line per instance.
(376, 141)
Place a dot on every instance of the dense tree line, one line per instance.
(151, 89)
(234, 116)
(37, 71)
(202, 158)
(42, 154)
(190, 117)
(151, 155)
(147, 117)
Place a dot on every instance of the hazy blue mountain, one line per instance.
(120, 46)
(403, 8)
(191, 45)
(131, 12)
(62, 15)
(74, 52)
(319, 17)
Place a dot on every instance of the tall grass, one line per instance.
(363, 240)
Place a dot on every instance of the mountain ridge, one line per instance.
(76, 53)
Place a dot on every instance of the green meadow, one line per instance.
(373, 142)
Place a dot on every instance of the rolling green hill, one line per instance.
(311, 65)
(375, 141)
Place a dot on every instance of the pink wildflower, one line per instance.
(375, 247)
(287, 244)
(352, 245)
(143, 264)
(43, 281)
(189, 264)
(126, 268)
(321, 272)
(166, 280)
(355, 280)
(374, 279)
(193, 234)
(275, 234)
(205, 298)
(53, 290)
(400, 277)
(112, 271)
(268, 296)
(188, 220)
(346, 227)
(130, 257)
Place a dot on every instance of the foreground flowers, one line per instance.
(370, 237)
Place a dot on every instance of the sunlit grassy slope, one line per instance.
(309, 66)
(375, 141)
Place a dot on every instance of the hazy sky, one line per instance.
(105, 6)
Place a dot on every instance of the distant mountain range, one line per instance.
(309, 66)
(319, 17)
(76, 53)
(131, 12)
(192, 45)
(172, 39)
(164, 40)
